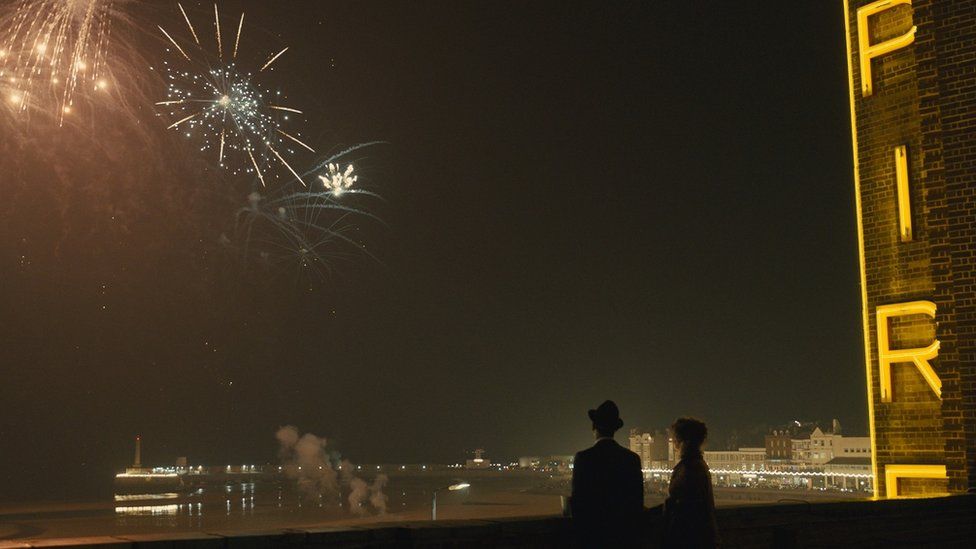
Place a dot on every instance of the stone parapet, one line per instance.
(941, 522)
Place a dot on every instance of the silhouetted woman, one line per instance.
(690, 508)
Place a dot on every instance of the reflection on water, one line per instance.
(230, 501)
(149, 510)
(270, 500)
(263, 505)
(140, 497)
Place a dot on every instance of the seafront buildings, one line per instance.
(798, 455)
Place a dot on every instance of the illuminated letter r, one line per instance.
(920, 357)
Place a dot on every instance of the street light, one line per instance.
(452, 488)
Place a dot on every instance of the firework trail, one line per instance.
(53, 50)
(79, 147)
(76, 64)
(233, 116)
(309, 228)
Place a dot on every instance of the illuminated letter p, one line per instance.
(866, 50)
(920, 357)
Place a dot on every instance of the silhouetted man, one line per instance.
(608, 486)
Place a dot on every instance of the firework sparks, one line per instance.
(227, 109)
(175, 44)
(273, 59)
(188, 24)
(220, 42)
(237, 42)
(51, 50)
(338, 181)
(309, 230)
(296, 140)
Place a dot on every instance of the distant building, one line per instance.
(736, 467)
(821, 447)
(546, 463)
(797, 455)
(826, 446)
(830, 459)
(656, 451)
(478, 461)
(840, 473)
(640, 444)
(800, 450)
(779, 445)
(853, 447)
(743, 459)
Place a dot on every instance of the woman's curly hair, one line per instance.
(690, 431)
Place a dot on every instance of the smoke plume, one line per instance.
(376, 496)
(305, 460)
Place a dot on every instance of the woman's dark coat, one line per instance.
(690, 508)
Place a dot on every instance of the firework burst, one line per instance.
(312, 228)
(53, 50)
(337, 180)
(226, 108)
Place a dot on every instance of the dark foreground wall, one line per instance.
(941, 522)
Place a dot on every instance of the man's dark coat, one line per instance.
(608, 494)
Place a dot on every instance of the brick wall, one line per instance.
(925, 98)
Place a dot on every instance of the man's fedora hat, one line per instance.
(606, 416)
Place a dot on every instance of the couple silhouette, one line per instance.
(607, 503)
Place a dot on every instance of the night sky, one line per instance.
(645, 201)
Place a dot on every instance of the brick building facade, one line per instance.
(913, 108)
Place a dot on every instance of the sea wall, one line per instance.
(942, 522)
